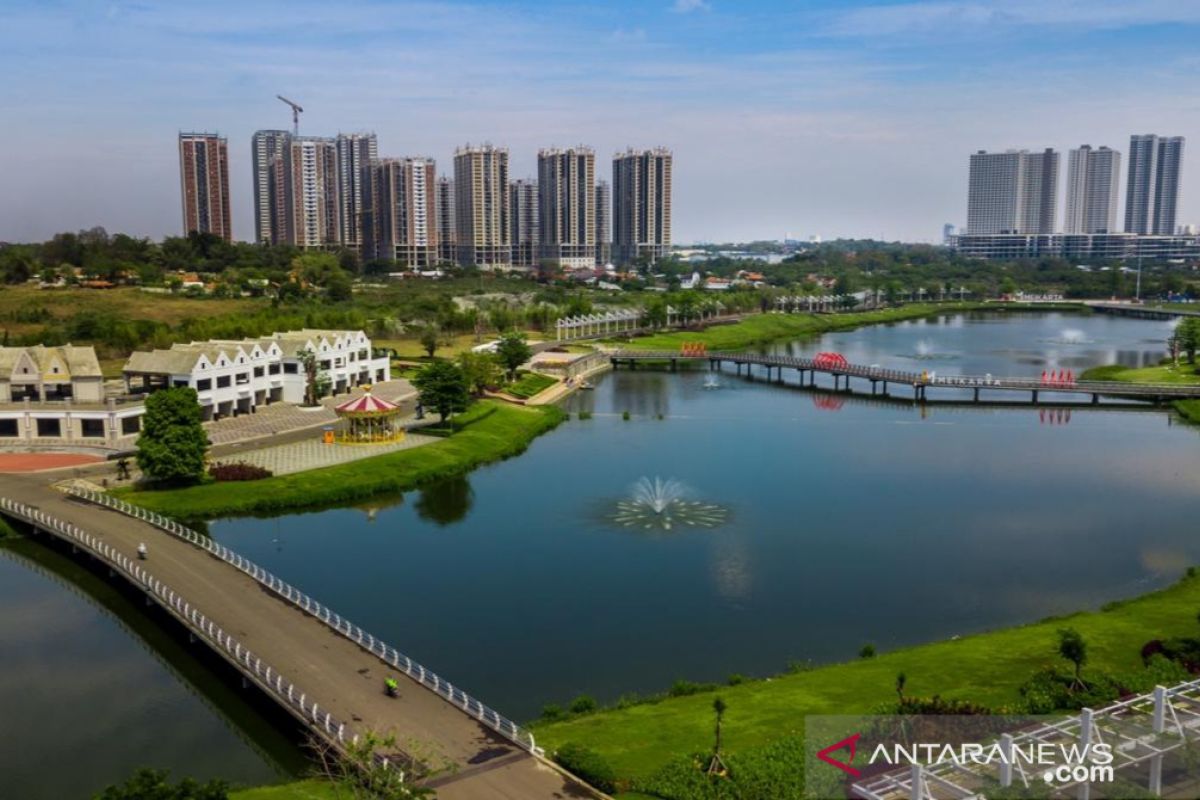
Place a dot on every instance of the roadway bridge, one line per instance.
(321, 668)
(1138, 310)
(881, 378)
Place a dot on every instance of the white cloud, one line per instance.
(688, 6)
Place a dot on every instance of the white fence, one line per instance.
(452, 694)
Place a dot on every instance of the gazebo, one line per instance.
(370, 420)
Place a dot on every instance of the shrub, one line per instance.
(583, 704)
(686, 688)
(552, 712)
(1184, 651)
(735, 679)
(587, 764)
(238, 471)
(867, 651)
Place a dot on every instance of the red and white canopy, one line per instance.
(368, 404)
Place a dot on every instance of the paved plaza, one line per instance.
(312, 453)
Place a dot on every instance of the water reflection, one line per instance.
(445, 502)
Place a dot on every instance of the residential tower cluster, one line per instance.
(337, 192)
(1012, 203)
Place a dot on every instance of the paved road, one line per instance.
(343, 678)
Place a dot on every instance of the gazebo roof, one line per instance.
(366, 405)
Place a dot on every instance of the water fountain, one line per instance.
(657, 504)
(923, 350)
(1070, 336)
(711, 381)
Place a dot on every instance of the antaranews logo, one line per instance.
(850, 743)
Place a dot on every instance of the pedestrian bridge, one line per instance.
(318, 666)
(921, 383)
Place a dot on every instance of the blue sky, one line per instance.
(830, 118)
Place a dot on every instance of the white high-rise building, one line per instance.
(523, 222)
(1093, 190)
(603, 223)
(481, 207)
(1152, 193)
(306, 175)
(1012, 192)
(566, 206)
(269, 225)
(641, 205)
(355, 153)
(400, 218)
(443, 204)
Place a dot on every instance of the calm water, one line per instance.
(848, 521)
(91, 689)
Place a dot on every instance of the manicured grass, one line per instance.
(529, 384)
(763, 328)
(301, 790)
(490, 431)
(1164, 373)
(986, 668)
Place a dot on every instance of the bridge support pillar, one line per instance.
(976, 394)
(874, 386)
(1095, 399)
(1035, 396)
(674, 363)
(885, 388)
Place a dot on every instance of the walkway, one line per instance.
(919, 382)
(293, 654)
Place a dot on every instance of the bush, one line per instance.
(238, 471)
(553, 712)
(1185, 652)
(685, 688)
(735, 679)
(587, 764)
(867, 651)
(583, 704)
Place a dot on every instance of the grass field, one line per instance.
(1164, 373)
(986, 668)
(529, 384)
(126, 301)
(490, 431)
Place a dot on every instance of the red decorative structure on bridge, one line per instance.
(830, 360)
(693, 349)
(1060, 377)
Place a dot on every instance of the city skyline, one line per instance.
(839, 91)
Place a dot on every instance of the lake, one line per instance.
(838, 521)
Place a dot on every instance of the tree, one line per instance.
(430, 339)
(480, 369)
(316, 383)
(1187, 335)
(172, 445)
(513, 351)
(153, 784)
(443, 386)
(1073, 648)
(716, 766)
(901, 681)
(355, 769)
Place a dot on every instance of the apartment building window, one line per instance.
(8, 427)
(223, 382)
(47, 428)
(324, 364)
(131, 425)
(243, 378)
(204, 385)
(93, 428)
(258, 372)
(274, 369)
(291, 369)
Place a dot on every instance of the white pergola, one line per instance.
(808, 302)
(1143, 731)
(593, 325)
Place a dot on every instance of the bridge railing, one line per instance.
(269, 678)
(413, 669)
(951, 381)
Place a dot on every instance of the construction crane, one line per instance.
(296, 109)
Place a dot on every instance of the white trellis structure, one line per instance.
(590, 326)
(808, 302)
(1150, 735)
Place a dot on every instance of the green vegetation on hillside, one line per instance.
(529, 384)
(986, 669)
(488, 431)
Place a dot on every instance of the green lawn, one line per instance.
(986, 668)
(1164, 373)
(763, 328)
(529, 384)
(301, 790)
(489, 431)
